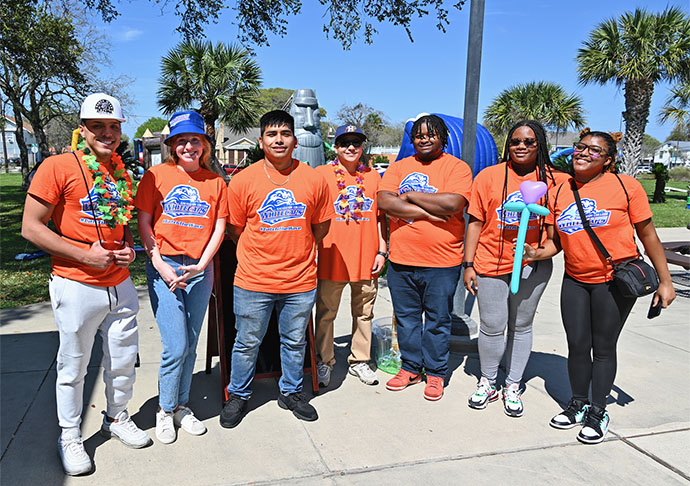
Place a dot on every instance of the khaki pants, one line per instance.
(328, 295)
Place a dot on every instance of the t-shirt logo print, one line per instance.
(416, 182)
(512, 218)
(279, 206)
(184, 201)
(569, 221)
(104, 106)
(93, 195)
(351, 194)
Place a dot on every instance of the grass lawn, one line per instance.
(26, 282)
(672, 213)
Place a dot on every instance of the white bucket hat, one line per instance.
(101, 106)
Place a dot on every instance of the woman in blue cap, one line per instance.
(182, 210)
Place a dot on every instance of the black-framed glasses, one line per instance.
(529, 142)
(595, 151)
(356, 143)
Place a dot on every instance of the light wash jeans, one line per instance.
(179, 315)
(82, 310)
(252, 314)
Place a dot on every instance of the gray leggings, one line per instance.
(498, 309)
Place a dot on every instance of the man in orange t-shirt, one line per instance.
(425, 195)
(279, 210)
(90, 288)
(352, 253)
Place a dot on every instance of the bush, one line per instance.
(679, 174)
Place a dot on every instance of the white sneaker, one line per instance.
(364, 373)
(126, 430)
(323, 373)
(165, 428)
(185, 419)
(75, 460)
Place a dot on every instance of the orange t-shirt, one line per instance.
(494, 255)
(59, 182)
(348, 251)
(606, 208)
(422, 243)
(276, 252)
(184, 207)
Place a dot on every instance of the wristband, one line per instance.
(467, 264)
(384, 254)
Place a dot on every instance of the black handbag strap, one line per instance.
(586, 225)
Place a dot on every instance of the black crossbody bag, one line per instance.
(633, 278)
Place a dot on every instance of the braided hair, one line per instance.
(434, 125)
(544, 172)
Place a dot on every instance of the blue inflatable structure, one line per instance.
(486, 153)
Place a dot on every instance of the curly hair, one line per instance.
(611, 138)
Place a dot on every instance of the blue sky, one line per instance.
(523, 41)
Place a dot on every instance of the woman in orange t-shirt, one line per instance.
(182, 209)
(489, 263)
(592, 308)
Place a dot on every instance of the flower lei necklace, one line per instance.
(113, 211)
(350, 211)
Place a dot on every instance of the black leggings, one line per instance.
(593, 317)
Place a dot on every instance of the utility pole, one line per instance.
(474, 64)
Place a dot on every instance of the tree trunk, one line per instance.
(638, 96)
(3, 124)
(23, 151)
(34, 117)
(659, 193)
(210, 123)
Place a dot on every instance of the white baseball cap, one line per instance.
(101, 106)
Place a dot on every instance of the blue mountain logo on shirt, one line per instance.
(184, 201)
(93, 195)
(351, 194)
(416, 182)
(511, 218)
(279, 206)
(569, 221)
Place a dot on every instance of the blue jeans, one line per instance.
(252, 314)
(429, 291)
(179, 315)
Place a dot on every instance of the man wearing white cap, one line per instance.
(88, 196)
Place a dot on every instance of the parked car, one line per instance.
(643, 169)
(231, 169)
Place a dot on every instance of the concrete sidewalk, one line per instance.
(368, 435)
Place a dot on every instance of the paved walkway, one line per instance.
(368, 435)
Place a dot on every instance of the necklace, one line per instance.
(292, 164)
(348, 208)
(114, 210)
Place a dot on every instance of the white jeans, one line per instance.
(81, 310)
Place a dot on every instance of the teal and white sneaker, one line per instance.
(512, 401)
(595, 427)
(572, 416)
(486, 392)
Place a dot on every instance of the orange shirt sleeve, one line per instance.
(639, 202)
(323, 209)
(391, 178)
(237, 207)
(143, 201)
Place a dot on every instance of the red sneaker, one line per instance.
(402, 380)
(434, 388)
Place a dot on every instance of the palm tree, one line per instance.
(220, 81)
(636, 51)
(547, 103)
(677, 107)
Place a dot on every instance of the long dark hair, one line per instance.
(544, 172)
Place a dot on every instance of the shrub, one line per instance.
(679, 174)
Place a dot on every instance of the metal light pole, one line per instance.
(474, 63)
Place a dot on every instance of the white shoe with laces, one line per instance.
(124, 428)
(364, 373)
(512, 400)
(165, 427)
(75, 460)
(185, 419)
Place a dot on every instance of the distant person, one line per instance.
(90, 288)
(425, 195)
(592, 307)
(489, 260)
(280, 209)
(182, 210)
(352, 254)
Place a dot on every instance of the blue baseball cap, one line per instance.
(349, 130)
(186, 122)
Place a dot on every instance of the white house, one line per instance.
(673, 153)
(11, 138)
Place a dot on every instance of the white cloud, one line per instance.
(128, 35)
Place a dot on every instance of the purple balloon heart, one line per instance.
(532, 191)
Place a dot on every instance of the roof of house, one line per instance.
(562, 138)
(27, 125)
(241, 140)
(676, 144)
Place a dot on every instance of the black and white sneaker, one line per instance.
(595, 427)
(572, 416)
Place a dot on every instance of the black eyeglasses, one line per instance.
(346, 143)
(529, 142)
(595, 151)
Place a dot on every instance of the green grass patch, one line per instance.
(672, 213)
(26, 282)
